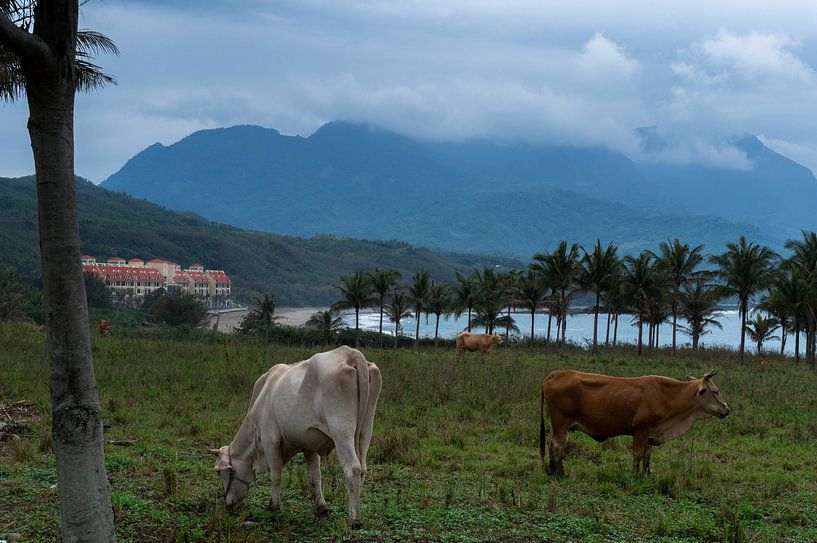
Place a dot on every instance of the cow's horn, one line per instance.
(215, 452)
(711, 374)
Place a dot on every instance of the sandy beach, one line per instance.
(293, 316)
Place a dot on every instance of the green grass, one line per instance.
(454, 455)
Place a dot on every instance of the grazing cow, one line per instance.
(313, 406)
(104, 328)
(652, 409)
(484, 343)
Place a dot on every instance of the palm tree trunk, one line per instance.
(77, 432)
(550, 318)
(607, 335)
(417, 313)
(782, 339)
(596, 325)
(674, 321)
(532, 317)
(744, 305)
(796, 340)
(437, 329)
(396, 332)
(615, 330)
(380, 337)
(469, 318)
(508, 328)
(357, 326)
(640, 325)
(657, 334)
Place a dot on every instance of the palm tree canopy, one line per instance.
(698, 304)
(680, 260)
(88, 76)
(439, 299)
(420, 289)
(599, 268)
(463, 293)
(383, 281)
(265, 309)
(399, 308)
(745, 268)
(761, 328)
(357, 292)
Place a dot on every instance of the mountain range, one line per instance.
(300, 272)
(478, 195)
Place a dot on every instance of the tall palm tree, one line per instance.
(562, 269)
(698, 304)
(464, 295)
(328, 322)
(789, 297)
(490, 291)
(745, 269)
(530, 295)
(265, 312)
(643, 279)
(681, 262)
(598, 273)
(358, 293)
(762, 329)
(419, 291)
(805, 259)
(398, 310)
(382, 282)
(438, 303)
(45, 58)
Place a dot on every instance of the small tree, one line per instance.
(97, 292)
(179, 309)
(382, 282)
(358, 294)
(398, 310)
(761, 329)
(328, 322)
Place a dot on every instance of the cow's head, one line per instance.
(236, 475)
(708, 397)
(496, 339)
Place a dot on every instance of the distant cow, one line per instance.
(313, 406)
(652, 409)
(484, 343)
(104, 328)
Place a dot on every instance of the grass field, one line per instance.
(454, 455)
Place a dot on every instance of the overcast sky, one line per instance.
(583, 73)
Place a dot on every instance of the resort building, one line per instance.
(137, 277)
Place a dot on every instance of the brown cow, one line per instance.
(652, 409)
(104, 327)
(484, 343)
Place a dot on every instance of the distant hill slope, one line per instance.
(298, 271)
(363, 182)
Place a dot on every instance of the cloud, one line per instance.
(581, 73)
(756, 55)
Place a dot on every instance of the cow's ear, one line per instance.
(223, 464)
(691, 378)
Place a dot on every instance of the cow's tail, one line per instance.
(542, 428)
(362, 368)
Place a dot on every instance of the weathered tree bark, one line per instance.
(47, 58)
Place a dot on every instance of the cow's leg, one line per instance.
(647, 453)
(313, 473)
(275, 460)
(640, 445)
(556, 448)
(375, 383)
(354, 475)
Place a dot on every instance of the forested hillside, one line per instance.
(299, 271)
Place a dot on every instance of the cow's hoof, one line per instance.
(322, 510)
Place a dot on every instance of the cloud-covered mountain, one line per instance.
(359, 181)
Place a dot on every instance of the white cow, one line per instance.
(313, 406)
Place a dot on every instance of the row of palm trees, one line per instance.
(678, 282)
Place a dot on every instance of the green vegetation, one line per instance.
(453, 457)
(300, 271)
